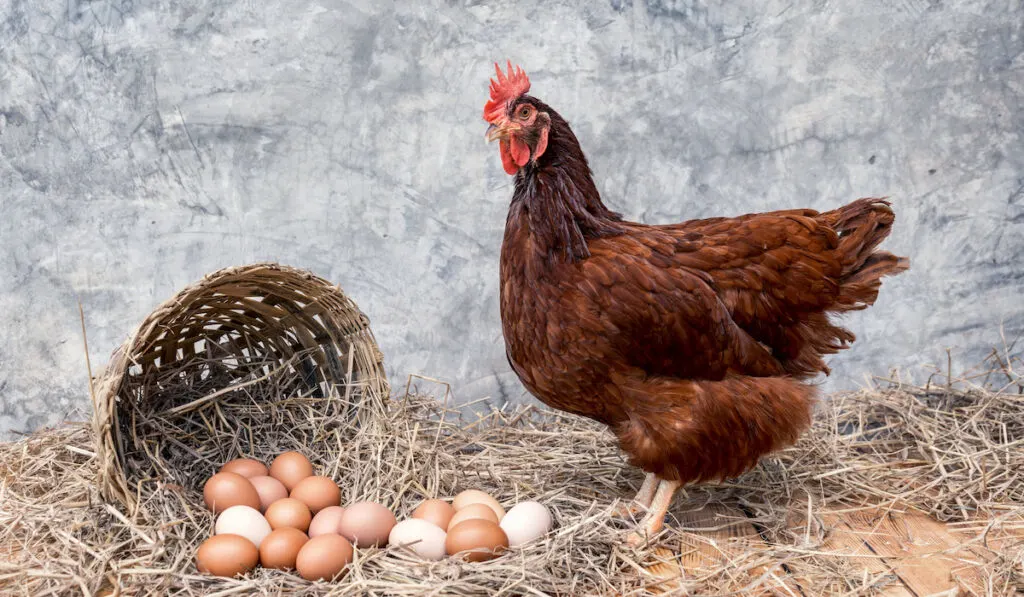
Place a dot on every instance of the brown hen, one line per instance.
(689, 340)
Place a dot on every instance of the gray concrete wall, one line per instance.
(143, 144)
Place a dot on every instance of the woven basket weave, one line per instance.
(194, 365)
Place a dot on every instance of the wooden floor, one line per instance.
(886, 552)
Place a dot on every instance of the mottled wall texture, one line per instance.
(146, 143)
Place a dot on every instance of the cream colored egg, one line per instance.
(525, 522)
(475, 496)
(326, 521)
(423, 538)
(366, 524)
(473, 511)
(244, 521)
(269, 490)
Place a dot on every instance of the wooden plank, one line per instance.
(717, 536)
(843, 543)
(998, 535)
(925, 556)
(890, 553)
(666, 571)
(826, 535)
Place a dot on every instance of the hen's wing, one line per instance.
(780, 274)
(659, 315)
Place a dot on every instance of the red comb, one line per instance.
(504, 89)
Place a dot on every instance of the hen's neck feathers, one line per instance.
(558, 198)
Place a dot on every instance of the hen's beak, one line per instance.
(502, 131)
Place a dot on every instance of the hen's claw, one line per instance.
(636, 540)
(630, 510)
(654, 521)
(641, 502)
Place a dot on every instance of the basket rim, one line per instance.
(108, 384)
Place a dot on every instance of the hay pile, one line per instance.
(956, 454)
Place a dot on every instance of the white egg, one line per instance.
(424, 538)
(244, 521)
(525, 522)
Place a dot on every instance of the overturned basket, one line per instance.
(249, 360)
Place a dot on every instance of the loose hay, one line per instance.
(955, 454)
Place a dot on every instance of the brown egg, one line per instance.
(247, 467)
(475, 496)
(317, 493)
(224, 490)
(290, 468)
(482, 511)
(438, 512)
(289, 512)
(326, 521)
(324, 557)
(280, 548)
(366, 523)
(269, 489)
(227, 555)
(482, 539)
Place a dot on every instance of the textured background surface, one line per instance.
(143, 144)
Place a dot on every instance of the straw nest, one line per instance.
(116, 507)
(955, 454)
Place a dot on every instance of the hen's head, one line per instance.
(517, 120)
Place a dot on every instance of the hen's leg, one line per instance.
(655, 518)
(643, 498)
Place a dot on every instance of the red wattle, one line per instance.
(506, 158)
(520, 152)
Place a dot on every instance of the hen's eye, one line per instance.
(524, 112)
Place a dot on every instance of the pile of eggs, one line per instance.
(287, 518)
(474, 524)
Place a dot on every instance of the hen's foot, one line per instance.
(629, 510)
(641, 502)
(655, 519)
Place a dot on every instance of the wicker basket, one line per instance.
(216, 371)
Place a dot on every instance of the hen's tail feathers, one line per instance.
(676, 428)
(862, 226)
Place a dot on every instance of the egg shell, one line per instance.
(323, 557)
(475, 496)
(481, 539)
(247, 467)
(226, 555)
(525, 522)
(269, 489)
(289, 512)
(424, 538)
(326, 521)
(225, 490)
(473, 511)
(244, 521)
(366, 524)
(290, 468)
(317, 493)
(438, 512)
(280, 548)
